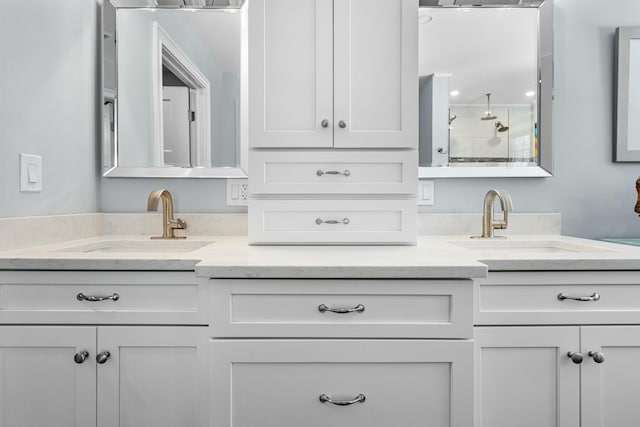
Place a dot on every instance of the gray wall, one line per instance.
(48, 103)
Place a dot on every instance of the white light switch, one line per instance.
(426, 193)
(30, 173)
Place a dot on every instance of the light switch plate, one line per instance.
(237, 192)
(30, 173)
(426, 193)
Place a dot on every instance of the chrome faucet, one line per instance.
(169, 224)
(488, 223)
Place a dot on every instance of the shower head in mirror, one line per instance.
(488, 115)
(501, 127)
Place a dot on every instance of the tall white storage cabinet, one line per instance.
(333, 109)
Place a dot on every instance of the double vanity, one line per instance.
(329, 109)
(119, 329)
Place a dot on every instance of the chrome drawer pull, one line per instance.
(593, 297)
(83, 297)
(321, 221)
(357, 309)
(320, 172)
(326, 399)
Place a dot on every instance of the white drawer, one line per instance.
(395, 383)
(142, 297)
(375, 308)
(333, 172)
(531, 298)
(332, 221)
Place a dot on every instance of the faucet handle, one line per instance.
(181, 223)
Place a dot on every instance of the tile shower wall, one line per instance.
(474, 138)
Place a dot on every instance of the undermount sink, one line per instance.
(138, 246)
(503, 246)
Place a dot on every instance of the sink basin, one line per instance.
(529, 246)
(138, 246)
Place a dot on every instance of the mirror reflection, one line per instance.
(479, 87)
(179, 99)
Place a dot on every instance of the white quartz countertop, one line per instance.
(232, 257)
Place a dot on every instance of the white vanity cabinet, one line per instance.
(333, 121)
(361, 353)
(40, 384)
(524, 332)
(115, 362)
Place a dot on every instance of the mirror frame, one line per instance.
(621, 150)
(544, 110)
(239, 171)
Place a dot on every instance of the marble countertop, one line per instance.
(232, 257)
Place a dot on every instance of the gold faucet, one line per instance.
(488, 223)
(169, 224)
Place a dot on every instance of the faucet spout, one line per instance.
(169, 224)
(489, 224)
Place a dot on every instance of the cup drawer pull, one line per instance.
(593, 297)
(326, 399)
(320, 172)
(83, 297)
(357, 309)
(321, 221)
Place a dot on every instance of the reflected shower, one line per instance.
(501, 127)
(488, 115)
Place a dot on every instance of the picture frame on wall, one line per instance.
(626, 147)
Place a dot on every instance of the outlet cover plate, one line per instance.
(237, 192)
(426, 193)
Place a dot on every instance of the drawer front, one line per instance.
(341, 308)
(602, 297)
(129, 297)
(332, 221)
(330, 172)
(383, 383)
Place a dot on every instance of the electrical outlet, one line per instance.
(237, 192)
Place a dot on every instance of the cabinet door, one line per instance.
(376, 73)
(379, 383)
(610, 389)
(154, 376)
(291, 73)
(524, 377)
(40, 382)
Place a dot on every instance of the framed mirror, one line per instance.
(179, 109)
(485, 92)
(627, 107)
